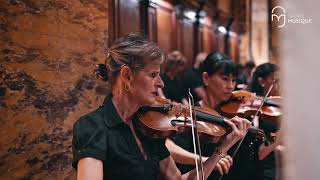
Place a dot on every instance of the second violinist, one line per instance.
(218, 73)
(262, 79)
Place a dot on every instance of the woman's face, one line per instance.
(267, 82)
(220, 86)
(145, 83)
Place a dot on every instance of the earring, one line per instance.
(126, 88)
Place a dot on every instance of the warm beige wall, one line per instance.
(260, 44)
(47, 51)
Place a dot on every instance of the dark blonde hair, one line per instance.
(174, 58)
(132, 50)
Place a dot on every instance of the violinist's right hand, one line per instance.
(239, 127)
(224, 164)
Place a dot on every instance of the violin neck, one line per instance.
(202, 116)
(269, 102)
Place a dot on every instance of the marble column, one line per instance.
(48, 49)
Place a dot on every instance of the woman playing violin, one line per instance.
(218, 73)
(264, 76)
(106, 145)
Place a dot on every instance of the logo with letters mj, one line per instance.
(280, 16)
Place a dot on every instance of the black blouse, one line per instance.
(173, 89)
(192, 79)
(103, 135)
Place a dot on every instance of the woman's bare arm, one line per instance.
(90, 168)
(181, 155)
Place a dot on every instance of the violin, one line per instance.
(246, 104)
(275, 101)
(163, 119)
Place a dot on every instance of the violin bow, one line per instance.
(195, 138)
(255, 115)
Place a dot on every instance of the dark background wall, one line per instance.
(167, 23)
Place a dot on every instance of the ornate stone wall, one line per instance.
(47, 52)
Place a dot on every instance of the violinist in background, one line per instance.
(263, 77)
(107, 145)
(173, 68)
(241, 79)
(192, 79)
(244, 77)
(218, 73)
(248, 70)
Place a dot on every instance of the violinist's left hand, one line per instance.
(239, 127)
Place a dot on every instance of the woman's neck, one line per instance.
(125, 106)
(209, 101)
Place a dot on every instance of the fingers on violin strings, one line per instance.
(246, 123)
(241, 123)
(236, 125)
(232, 125)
